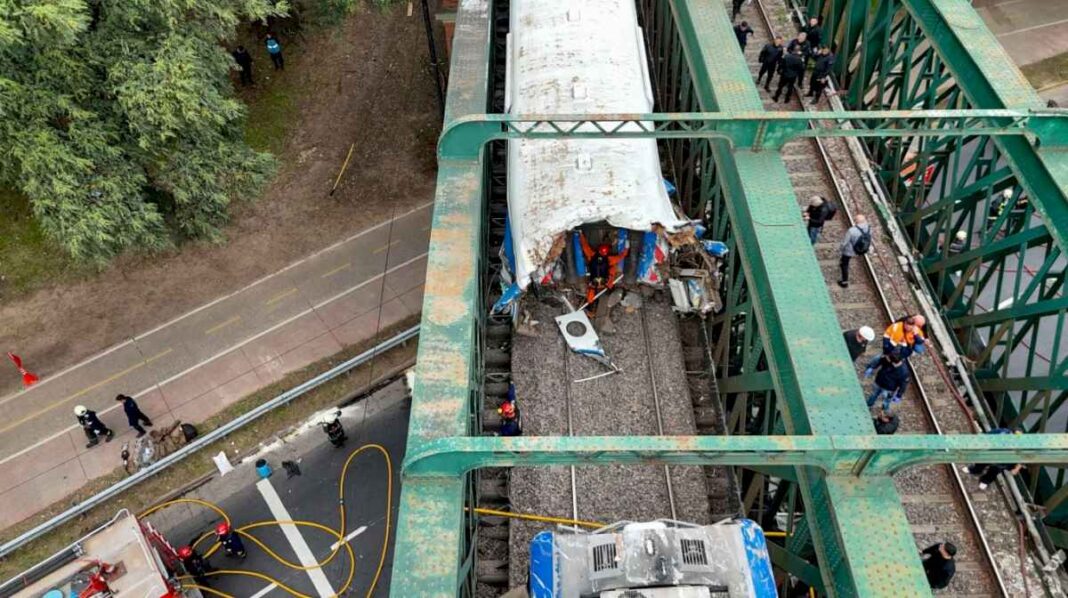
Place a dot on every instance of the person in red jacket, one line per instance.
(601, 267)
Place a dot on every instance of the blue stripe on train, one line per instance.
(756, 552)
(542, 566)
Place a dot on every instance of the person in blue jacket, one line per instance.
(891, 380)
(274, 50)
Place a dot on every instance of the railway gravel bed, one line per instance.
(544, 372)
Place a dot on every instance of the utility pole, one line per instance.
(439, 84)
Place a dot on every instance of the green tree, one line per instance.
(118, 119)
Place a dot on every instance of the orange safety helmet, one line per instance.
(185, 552)
(603, 249)
(222, 529)
(507, 410)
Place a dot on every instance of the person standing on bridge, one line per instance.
(742, 31)
(938, 564)
(818, 212)
(890, 382)
(857, 241)
(274, 50)
(791, 69)
(988, 472)
(134, 416)
(821, 75)
(813, 32)
(92, 426)
(736, 8)
(857, 340)
(770, 58)
(903, 337)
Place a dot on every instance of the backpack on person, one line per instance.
(829, 210)
(863, 243)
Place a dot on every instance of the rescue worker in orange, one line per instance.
(905, 337)
(601, 267)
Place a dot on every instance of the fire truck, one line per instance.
(125, 557)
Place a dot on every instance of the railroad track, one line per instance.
(936, 499)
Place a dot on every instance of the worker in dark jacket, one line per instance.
(813, 32)
(857, 340)
(770, 58)
(742, 31)
(891, 380)
(821, 74)
(244, 61)
(92, 426)
(938, 564)
(195, 565)
(818, 212)
(989, 472)
(230, 540)
(804, 46)
(134, 415)
(791, 69)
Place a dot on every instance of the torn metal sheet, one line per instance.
(581, 337)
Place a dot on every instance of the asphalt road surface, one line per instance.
(381, 419)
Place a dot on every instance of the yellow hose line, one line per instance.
(195, 501)
(542, 518)
(339, 534)
(207, 589)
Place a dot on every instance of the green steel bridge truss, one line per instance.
(927, 86)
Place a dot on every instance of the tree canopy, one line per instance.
(118, 119)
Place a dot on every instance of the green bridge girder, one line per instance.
(843, 474)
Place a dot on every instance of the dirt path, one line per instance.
(366, 82)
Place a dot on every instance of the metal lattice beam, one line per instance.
(467, 136)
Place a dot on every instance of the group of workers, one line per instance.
(901, 340)
(95, 429)
(198, 567)
(790, 60)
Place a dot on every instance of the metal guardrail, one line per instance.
(207, 439)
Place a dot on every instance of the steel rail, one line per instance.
(207, 439)
(928, 408)
(656, 405)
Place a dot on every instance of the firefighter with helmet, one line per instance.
(601, 267)
(195, 565)
(230, 540)
(92, 426)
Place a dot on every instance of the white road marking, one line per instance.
(264, 591)
(46, 378)
(248, 340)
(304, 553)
(349, 537)
(1027, 29)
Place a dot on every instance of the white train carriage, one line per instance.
(578, 58)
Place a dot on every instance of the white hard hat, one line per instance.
(80, 410)
(961, 235)
(867, 333)
(1007, 193)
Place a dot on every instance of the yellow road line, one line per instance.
(219, 327)
(344, 266)
(386, 246)
(83, 391)
(281, 296)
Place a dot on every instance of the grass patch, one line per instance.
(199, 464)
(28, 258)
(271, 113)
(1047, 73)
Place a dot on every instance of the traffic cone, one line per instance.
(28, 378)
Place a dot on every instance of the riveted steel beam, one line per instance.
(465, 137)
(841, 455)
